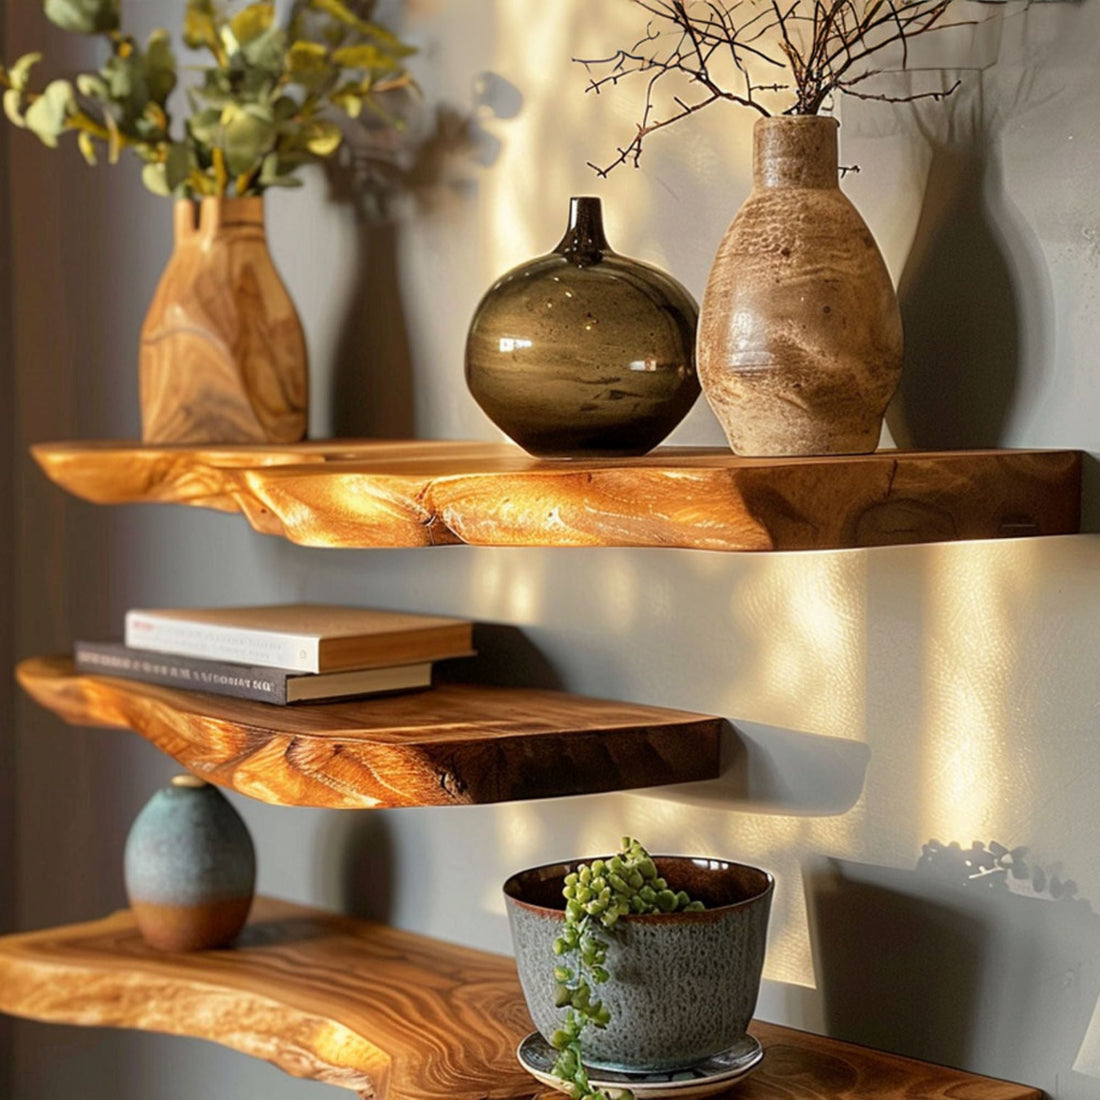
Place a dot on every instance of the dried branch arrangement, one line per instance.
(754, 53)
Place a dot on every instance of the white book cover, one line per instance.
(272, 649)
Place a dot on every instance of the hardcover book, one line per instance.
(300, 637)
(265, 685)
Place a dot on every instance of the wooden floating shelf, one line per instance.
(387, 1014)
(457, 744)
(415, 493)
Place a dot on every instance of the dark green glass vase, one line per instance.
(584, 352)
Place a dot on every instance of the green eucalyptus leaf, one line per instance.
(83, 16)
(252, 21)
(275, 173)
(13, 107)
(200, 25)
(177, 165)
(20, 73)
(160, 66)
(364, 56)
(204, 125)
(247, 136)
(155, 177)
(47, 115)
(323, 138)
(92, 86)
(267, 50)
(342, 13)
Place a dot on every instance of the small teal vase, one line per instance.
(190, 868)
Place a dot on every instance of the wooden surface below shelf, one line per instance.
(408, 493)
(385, 1013)
(457, 744)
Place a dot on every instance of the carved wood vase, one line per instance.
(223, 355)
(800, 340)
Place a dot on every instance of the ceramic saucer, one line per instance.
(705, 1078)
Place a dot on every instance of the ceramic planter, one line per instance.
(223, 356)
(190, 868)
(683, 986)
(584, 352)
(800, 341)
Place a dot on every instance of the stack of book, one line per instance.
(290, 653)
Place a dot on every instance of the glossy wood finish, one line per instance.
(384, 1013)
(414, 493)
(453, 745)
(223, 355)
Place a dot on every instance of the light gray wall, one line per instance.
(883, 698)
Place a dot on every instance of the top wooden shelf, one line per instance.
(386, 1013)
(417, 493)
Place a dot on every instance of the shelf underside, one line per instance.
(382, 1012)
(457, 744)
(419, 493)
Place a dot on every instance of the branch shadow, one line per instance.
(961, 975)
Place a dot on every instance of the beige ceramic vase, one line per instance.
(223, 356)
(800, 340)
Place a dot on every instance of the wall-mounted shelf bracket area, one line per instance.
(421, 493)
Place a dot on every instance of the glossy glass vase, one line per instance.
(800, 341)
(223, 355)
(584, 352)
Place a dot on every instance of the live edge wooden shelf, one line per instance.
(387, 1014)
(457, 744)
(417, 493)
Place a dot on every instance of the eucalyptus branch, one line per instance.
(826, 46)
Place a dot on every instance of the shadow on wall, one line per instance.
(767, 770)
(381, 173)
(974, 291)
(985, 979)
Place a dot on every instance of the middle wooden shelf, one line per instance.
(456, 744)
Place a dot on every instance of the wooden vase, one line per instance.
(223, 355)
(800, 340)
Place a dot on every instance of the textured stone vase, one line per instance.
(584, 352)
(190, 868)
(223, 356)
(683, 986)
(800, 340)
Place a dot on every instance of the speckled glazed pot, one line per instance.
(584, 352)
(190, 868)
(800, 340)
(683, 986)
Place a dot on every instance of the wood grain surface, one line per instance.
(384, 1013)
(457, 744)
(223, 355)
(416, 493)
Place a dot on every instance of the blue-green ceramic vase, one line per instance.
(190, 868)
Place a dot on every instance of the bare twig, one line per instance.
(706, 47)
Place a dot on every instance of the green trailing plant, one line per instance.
(597, 896)
(267, 99)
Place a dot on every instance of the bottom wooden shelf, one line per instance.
(385, 1013)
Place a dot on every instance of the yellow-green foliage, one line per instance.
(268, 98)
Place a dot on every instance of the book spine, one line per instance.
(264, 685)
(207, 642)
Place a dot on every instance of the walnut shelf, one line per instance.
(457, 744)
(416, 493)
(387, 1014)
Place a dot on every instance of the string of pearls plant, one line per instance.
(597, 897)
